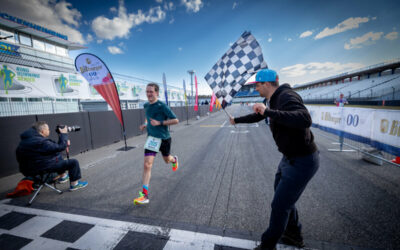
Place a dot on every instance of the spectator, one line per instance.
(37, 153)
(341, 101)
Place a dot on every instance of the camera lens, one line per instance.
(74, 128)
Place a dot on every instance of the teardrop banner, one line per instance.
(95, 71)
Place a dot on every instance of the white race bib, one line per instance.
(153, 144)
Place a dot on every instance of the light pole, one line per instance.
(191, 72)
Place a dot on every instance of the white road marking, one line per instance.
(239, 132)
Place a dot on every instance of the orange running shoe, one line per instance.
(175, 165)
(141, 200)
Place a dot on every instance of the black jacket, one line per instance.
(290, 122)
(36, 152)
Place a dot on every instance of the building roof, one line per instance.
(18, 24)
(380, 67)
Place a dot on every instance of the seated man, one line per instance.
(37, 153)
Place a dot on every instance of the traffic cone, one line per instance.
(397, 160)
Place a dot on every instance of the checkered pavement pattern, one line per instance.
(30, 228)
(238, 64)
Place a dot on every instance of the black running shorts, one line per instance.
(165, 148)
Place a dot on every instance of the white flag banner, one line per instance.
(237, 65)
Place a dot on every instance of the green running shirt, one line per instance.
(158, 111)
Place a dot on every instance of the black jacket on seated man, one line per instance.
(35, 152)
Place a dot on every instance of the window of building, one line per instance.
(16, 99)
(50, 48)
(38, 44)
(61, 51)
(11, 36)
(25, 39)
(34, 99)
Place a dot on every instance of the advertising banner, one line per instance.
(21, 81)
(379, 128)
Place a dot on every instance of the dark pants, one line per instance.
(71, 165)
(290, 181)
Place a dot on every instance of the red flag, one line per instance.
(196, 104)
(213, 97)
(109, 92)
(98, 76)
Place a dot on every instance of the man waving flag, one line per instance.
(237, 65)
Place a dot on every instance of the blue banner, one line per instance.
(9, 49)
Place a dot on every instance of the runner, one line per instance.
(158, 117)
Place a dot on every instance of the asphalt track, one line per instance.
(224, 186)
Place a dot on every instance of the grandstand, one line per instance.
(367, 86)
(247, 94)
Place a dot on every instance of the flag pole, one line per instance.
(229, 115)
(122, 116)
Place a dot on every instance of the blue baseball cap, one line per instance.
(265, 75)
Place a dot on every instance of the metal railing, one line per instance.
(31, 60)
(359, 147)
(39, 107)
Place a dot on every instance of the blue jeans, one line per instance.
(72, 165)
(290, 181)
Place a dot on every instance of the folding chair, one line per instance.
(43, 179)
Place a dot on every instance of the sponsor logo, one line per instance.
(392, 128)
(85, 69)
(352, 120)
(9, 49)
(7, 76)
(326, 116)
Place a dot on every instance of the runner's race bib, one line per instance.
(153, 144)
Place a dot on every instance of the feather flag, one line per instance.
(165, 89)
(217, 104)
(196, 104)
(94, 70)
(184, 92)
(213, 98)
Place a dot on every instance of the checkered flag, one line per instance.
(237, 65)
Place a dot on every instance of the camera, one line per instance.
(69, 129)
